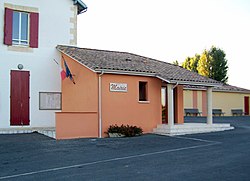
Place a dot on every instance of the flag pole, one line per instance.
(56, 62)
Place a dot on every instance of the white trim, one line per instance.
(214, 90)
(197, 83)
(170, 106)
(232, 91)
(100, 104)
(121, 72)
(144, 102)
(165, 80)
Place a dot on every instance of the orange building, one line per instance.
(121, 88)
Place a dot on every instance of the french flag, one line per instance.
(67, 72)
(63, 73)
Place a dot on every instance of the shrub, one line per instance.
(125, 130)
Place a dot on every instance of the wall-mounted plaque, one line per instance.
(118, 87)
(50, 100)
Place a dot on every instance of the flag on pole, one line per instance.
(68, 73)
(63, 73)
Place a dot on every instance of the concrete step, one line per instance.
(190, 128)
(47, 131)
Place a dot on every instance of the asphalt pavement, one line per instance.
(210, 156)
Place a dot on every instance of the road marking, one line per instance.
(196, 139)
(105, 161)
(246, 127)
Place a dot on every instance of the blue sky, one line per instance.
(170, 30)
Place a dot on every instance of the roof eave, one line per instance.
(81, 6)
(232, 91)
(123, 72)
(206, 84)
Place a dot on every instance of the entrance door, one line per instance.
(19, 98)
(246, 105)
(164, 105)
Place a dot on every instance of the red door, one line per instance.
(19, 98)
(246, 105)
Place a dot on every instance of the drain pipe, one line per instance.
(100, 103)
(175, 85)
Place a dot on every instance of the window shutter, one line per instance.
(8, 18)
(34, 26)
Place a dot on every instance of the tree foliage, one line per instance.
(219, 65)
(191, 63)
(211, 63)
(204, 64)
(176, 62)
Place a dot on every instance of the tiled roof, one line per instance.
(223, 88)
(97, 60)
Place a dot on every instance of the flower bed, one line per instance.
(121, 131)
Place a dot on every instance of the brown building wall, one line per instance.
(80, 103)
(125, 107)
(178, 105)
(82, 96)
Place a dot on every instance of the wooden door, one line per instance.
(19, 98)
(246, 105)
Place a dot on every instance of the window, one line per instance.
(21, 28)
(143, 91)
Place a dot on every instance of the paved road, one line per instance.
(211, 156)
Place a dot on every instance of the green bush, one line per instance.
(127, 130)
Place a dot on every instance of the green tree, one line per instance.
(211, 63)
(219, 65)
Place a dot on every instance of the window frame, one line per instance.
(18, 42)
(33, 27)
(143, 91)
(49, 97)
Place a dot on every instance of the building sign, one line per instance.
(118, 87)
(50, 101)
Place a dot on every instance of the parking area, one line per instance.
(210, 156)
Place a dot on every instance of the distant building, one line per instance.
(226, 97)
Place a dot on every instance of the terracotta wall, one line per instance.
(204, 103)
(82, 96)
(178, 105)
(80, 103)
(76, 125)
(125, 108)
(79, 116)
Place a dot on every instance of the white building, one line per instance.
(29, 77)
